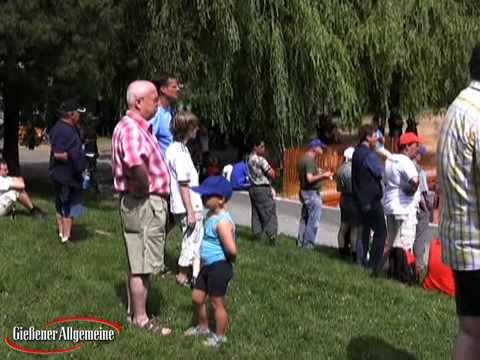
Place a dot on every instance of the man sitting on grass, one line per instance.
(13, 189)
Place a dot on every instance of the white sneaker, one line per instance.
(197, 331)
(215, 341)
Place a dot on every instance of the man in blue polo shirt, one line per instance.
(168, 93)
(67, 163)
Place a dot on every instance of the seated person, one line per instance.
(240, 177)
(13, 189)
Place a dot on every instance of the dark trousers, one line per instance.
(264, 211)
(374, 219)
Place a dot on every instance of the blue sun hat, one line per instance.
(215, 186)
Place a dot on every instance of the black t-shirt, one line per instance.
(65, 138)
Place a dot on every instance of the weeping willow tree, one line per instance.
(267, 66)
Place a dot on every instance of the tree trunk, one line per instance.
(10, 148)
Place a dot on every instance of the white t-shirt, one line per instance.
(5, 183)
(399, 169)
(182, 170)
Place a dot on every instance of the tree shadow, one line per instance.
(372, 348)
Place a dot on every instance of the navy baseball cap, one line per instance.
(317, 143)
(215, 186)
(71, 105)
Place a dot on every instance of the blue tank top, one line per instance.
(212, 248)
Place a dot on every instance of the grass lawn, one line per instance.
(283, 302)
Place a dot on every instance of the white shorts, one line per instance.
(7, 201)
(401, 231)
(191, 240)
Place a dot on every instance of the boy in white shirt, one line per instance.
(185, 204)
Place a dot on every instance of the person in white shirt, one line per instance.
(12, 189)
(185, 204)
(401, 197)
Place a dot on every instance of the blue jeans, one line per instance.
(310, 218)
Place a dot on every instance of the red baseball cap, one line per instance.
(409, 138)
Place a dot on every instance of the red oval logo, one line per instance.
(65, 320)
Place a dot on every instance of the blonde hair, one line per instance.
(183, 123)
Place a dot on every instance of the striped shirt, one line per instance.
(258, 168)
(458, 166)
(133, 144)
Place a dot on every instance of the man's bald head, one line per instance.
(142, 97)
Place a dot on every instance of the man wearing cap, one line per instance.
(458, 160)
(141, 177)
(350, 231)
(367, 173)
(401, 197)
(168, 89)
(67, 163)
(311, 177)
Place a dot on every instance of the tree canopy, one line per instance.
(250, 66)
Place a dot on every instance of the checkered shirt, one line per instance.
(133, 144)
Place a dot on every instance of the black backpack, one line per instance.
(399, 269)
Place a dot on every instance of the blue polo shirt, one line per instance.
(161, 127)
(65, 138)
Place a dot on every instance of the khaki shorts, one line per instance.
(143, 226)
(7, 201)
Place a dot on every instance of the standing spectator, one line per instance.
(401, 196)
(311, 177)
(264, 210)
(13, 189)
(350, 231)
(67, 163)
(423, 234)
(185, 204)
(219, 251)
(367, 172)
(168, 89)
(380, 148)
(459, 173)
(240, 178)
(141, 177)
(89, 140)
(395, 125)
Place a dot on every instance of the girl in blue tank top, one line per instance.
(218, 252)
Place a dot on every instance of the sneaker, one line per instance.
(215, 341)
(197, 331)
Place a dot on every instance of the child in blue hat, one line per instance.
(218, 251)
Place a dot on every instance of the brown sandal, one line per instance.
(155, 328)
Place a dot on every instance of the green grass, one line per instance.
(283, 302)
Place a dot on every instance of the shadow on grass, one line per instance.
(372, 348)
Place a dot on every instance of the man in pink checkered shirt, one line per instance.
(142, 178)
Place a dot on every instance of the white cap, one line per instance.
(348, 153)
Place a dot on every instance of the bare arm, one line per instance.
(226, 232)
(312, 178)
(187, 202)
(63, 156)
(17, 184)
(139, 179)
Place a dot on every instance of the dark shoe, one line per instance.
(38, 213)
